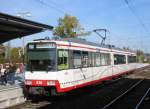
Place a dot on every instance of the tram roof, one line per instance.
(12, 27)
(83, 41)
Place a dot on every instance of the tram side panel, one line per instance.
(65, 78)
(140, 65)
(120, 64)
(39, 78)
(83, 75)
(120, 69)
(102, 73)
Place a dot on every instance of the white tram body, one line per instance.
(70, 63)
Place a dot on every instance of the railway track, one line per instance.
(70, 100)
(132, 98)
(142, 103)
(38, 102)
(96, 97)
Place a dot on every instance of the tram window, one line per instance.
(105, 59)
(85, 59)
(108, 60)
(97, 59)
(39, 60)
(93, 60)
(119, 59)
(77, 59)
(63, 60)
(131, 59)
(71, 59)
(90, 59)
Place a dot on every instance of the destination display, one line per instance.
(45, 45)
(41, 45)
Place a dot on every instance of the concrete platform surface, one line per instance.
(12, 94)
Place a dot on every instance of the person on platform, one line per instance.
(3, 76)
(0, 73)
(21, 67)
(11, 72)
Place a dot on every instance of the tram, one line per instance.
(58, 66)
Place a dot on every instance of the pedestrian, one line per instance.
(3, 76)
(21, 67)
(0, 73)
(12, 70)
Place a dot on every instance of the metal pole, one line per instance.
(23, 15)
(23, 50)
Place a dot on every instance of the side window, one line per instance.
(77, 59)
(134, 59)
(102, 59)
(105, 59)
(108, 60)
(90, 59)
(93, 59)
(85, 59)
(131, 59)
(119, 59)
(62, 59)
(97, 59)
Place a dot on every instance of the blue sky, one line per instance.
(114, 15)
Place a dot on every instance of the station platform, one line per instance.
(12, 94)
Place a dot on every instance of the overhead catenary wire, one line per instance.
(136, 16)
(60, 7)
(139, 20)
(51, 6)
(60, 10)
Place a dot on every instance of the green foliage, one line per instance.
(2, 58)
(140, 56)
(15, 54)
(2, 53)
(68, 27)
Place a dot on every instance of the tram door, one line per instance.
(87, 70)
(82, 71)
(76, 64)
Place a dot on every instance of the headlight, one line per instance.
(51, 83)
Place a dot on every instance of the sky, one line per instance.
(126, 27)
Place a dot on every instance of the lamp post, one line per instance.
(23, 15)
(8, 51)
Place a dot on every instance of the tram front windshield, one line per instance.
(41, 59)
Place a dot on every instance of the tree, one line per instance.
(140, 55)
(15, 54)
(68, 27)
(2, 53)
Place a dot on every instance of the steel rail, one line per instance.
(123, 94)
(141, 101)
